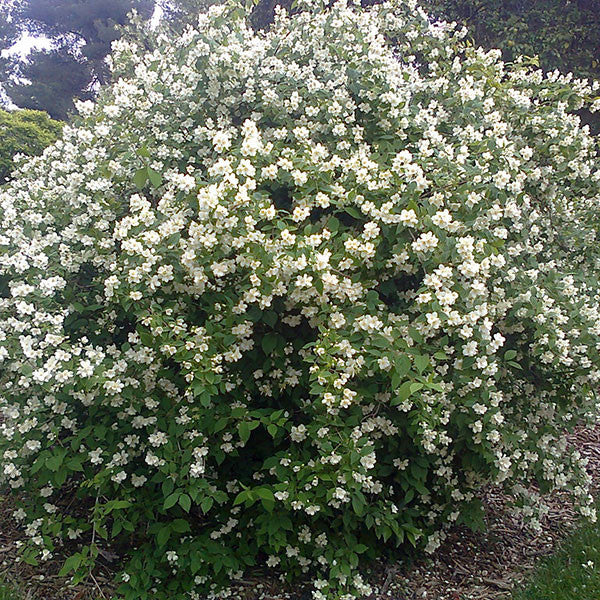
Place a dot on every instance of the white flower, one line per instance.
(273, 561)
(337, 320)
(425, 242)
(408, 217)
(298, 433)
(368, 461)
(96, 456)
(158, 438)
(138, 480)
(119, 477)
(384, 363)
(221, 141)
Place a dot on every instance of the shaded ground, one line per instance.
(468, 566)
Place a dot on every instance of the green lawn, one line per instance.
(572, 573)
(9, 593)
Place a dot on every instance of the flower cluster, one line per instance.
(282, 299)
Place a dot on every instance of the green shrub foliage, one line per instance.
(24, 132)
(286, 300)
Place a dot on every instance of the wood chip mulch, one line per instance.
(488, 565)
(468, 566)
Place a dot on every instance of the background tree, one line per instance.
(565, 34)
(179, 13)
(26, 132)
(8, 32)
(82, 32)
(50, 80)
(8, 35)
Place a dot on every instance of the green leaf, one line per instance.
(37, 465)
(71, 564)
(421, 363)
(415, 335)
(244, 431)
(195, 562)
(206, 505)
(269, 342)
(270, 317)
(167, 486)
(163, 535)
(116, 529)
(220, 424)
(147, 338)
(27, 370)
(435, 386)
(264, 493)
(242, 497)
(510, 354)
(403, 393)
(180, 526)
(185, 502)
(402, 366)
(31, 560)
(380, 342)
(60, 477)
(74, 464)
(140, 177)
(171, 500)
(118, 504)
(268, 505)
(54, 462)
(155, 177)
(358, 504)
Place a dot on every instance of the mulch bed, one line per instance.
(468, 566)
(488, 565)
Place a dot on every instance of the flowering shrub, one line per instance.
(288, 300)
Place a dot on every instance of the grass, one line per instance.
(572, 573)
(9, 593)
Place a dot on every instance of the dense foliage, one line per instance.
(287, 299)
(565, 34)
(24, 132)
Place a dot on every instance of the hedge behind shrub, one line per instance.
(25, 132)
